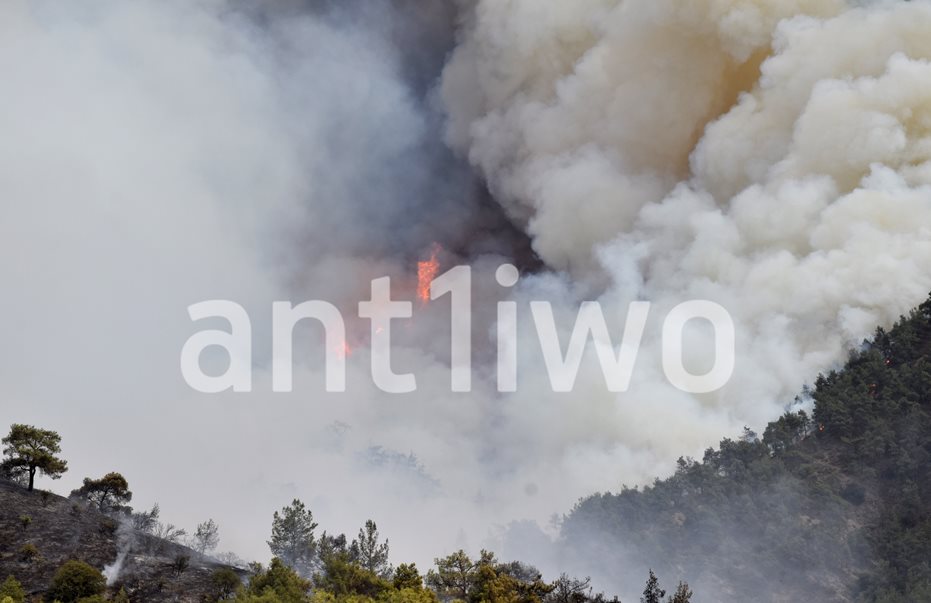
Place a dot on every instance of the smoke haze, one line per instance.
(770, 155)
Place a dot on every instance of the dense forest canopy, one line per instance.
(831, 504)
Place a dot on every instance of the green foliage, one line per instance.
(457, 577)
(369, 553)
(28, 450)
(28, 553)
(293, 539)
(454, 576)
(408, 595)
(279, 583)
(344, 580)
(224, 583)
(268, 597)
(790, 429)
(120, 597)
(407, 576)
(493, 584)
(342, 577)
(109, 493)
(652, 593)
(76, 580)
(683, 594)
(329, 545)
(569, 590)
(823, 495)
(11, 589)
(25, 521)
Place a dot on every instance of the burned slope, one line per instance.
(40, 531)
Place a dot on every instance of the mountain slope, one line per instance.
(61, 529)
(832, 507)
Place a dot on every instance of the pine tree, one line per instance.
(682, 595)
(293, 537)
(369, 553)
(652, 593)
(111, 492)
(29, 450)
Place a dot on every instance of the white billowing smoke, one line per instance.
(579, 115)
(767, 155)
(773, 156)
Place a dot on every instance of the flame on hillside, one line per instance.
(427, 270)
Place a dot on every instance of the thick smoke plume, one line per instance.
(772, 156)
(769, 155)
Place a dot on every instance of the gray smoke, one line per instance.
(767, 155)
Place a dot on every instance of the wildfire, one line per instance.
(345, 350)
(426, 272)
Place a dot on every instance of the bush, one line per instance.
(76, 580)
(25, 520)
(28, 553)
(225, 583)
(120, 597)
(279, 580)
(180, 564)
(11, 590)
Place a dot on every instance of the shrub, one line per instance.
(28, 552)
(180, 564)
(11, 590)
(225, 582)
(25, 520)
(120, 597)
(76, 580)
(280, 580)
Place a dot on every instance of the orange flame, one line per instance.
(344, 351)
(426, 272)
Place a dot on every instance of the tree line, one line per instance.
(306, 567)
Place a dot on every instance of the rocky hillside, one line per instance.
(40, 531)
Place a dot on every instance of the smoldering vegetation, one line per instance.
(771, 156)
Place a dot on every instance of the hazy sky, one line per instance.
(158, 154)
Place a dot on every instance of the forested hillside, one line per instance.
(93, 547)
(831, 505)
(826, 505)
